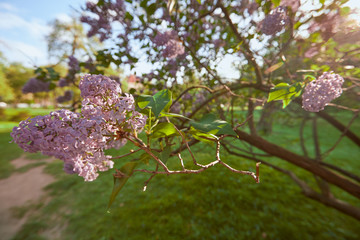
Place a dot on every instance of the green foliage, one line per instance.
(160, 101)
(210, 124)
(76, 43)
(12, 78)
(119, 180)
(214, 204)
(6, 92)
(201, 136)
(164, 130)
(20, 116)
(285, 92)
(165, 154)
(276, 2)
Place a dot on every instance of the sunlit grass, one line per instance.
(216, 204)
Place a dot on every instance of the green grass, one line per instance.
(6, 126)
(32, 111)
(9, 151)
(216, 204)
(18, 114)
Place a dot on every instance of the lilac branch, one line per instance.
(127, 154)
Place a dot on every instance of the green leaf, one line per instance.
(201, 136)
(128, 16)
(159, 102)
(52, 86)
(143, 3)
(285, 92)
(127, 170)
(162, 114)
(345, 11)
(276, 2)
(165, 154)
(100, 3)
(273, 68)
(309, 77)
(210, 124)
(150, 10)
(38, 70)
(145, 157)
(164, 129)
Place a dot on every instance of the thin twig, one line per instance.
(140, 144)
(181, 161)
(188, 89)
(127, 154)
(343, 107)
(151, 177)
(325, 154)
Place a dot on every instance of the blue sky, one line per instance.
(23, 25)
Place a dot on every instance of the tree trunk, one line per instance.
(303, 162)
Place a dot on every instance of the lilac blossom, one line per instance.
(35, 85)
(106, 13)
(176, 107)
(102, 98)
(275, 21)
(173, 48)
(293, 4)
(79, 139)
(320, 92)
(73, 64)
(65, 135)
(311, 52)
(327, 24)
(89, 65)
(162, 38)
(63, 82)
(252, 7)
(68, 95)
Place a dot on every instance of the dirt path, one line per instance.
(17, 190)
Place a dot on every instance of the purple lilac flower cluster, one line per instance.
(73, 64)
(173, 46)
(322, 91)
(106, 13)
(102, 101)
(293, 4)
(327, 24)
(80, 139)
(68, 95)
(275, 21)
(35, 85)
(65, 135)
(74, 68)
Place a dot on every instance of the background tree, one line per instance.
(69, 39)
(14, 76)
(282, 52)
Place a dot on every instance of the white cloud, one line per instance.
(35, 27)
(19, 51)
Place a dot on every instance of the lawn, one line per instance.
(11, 151)
(216, 204)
